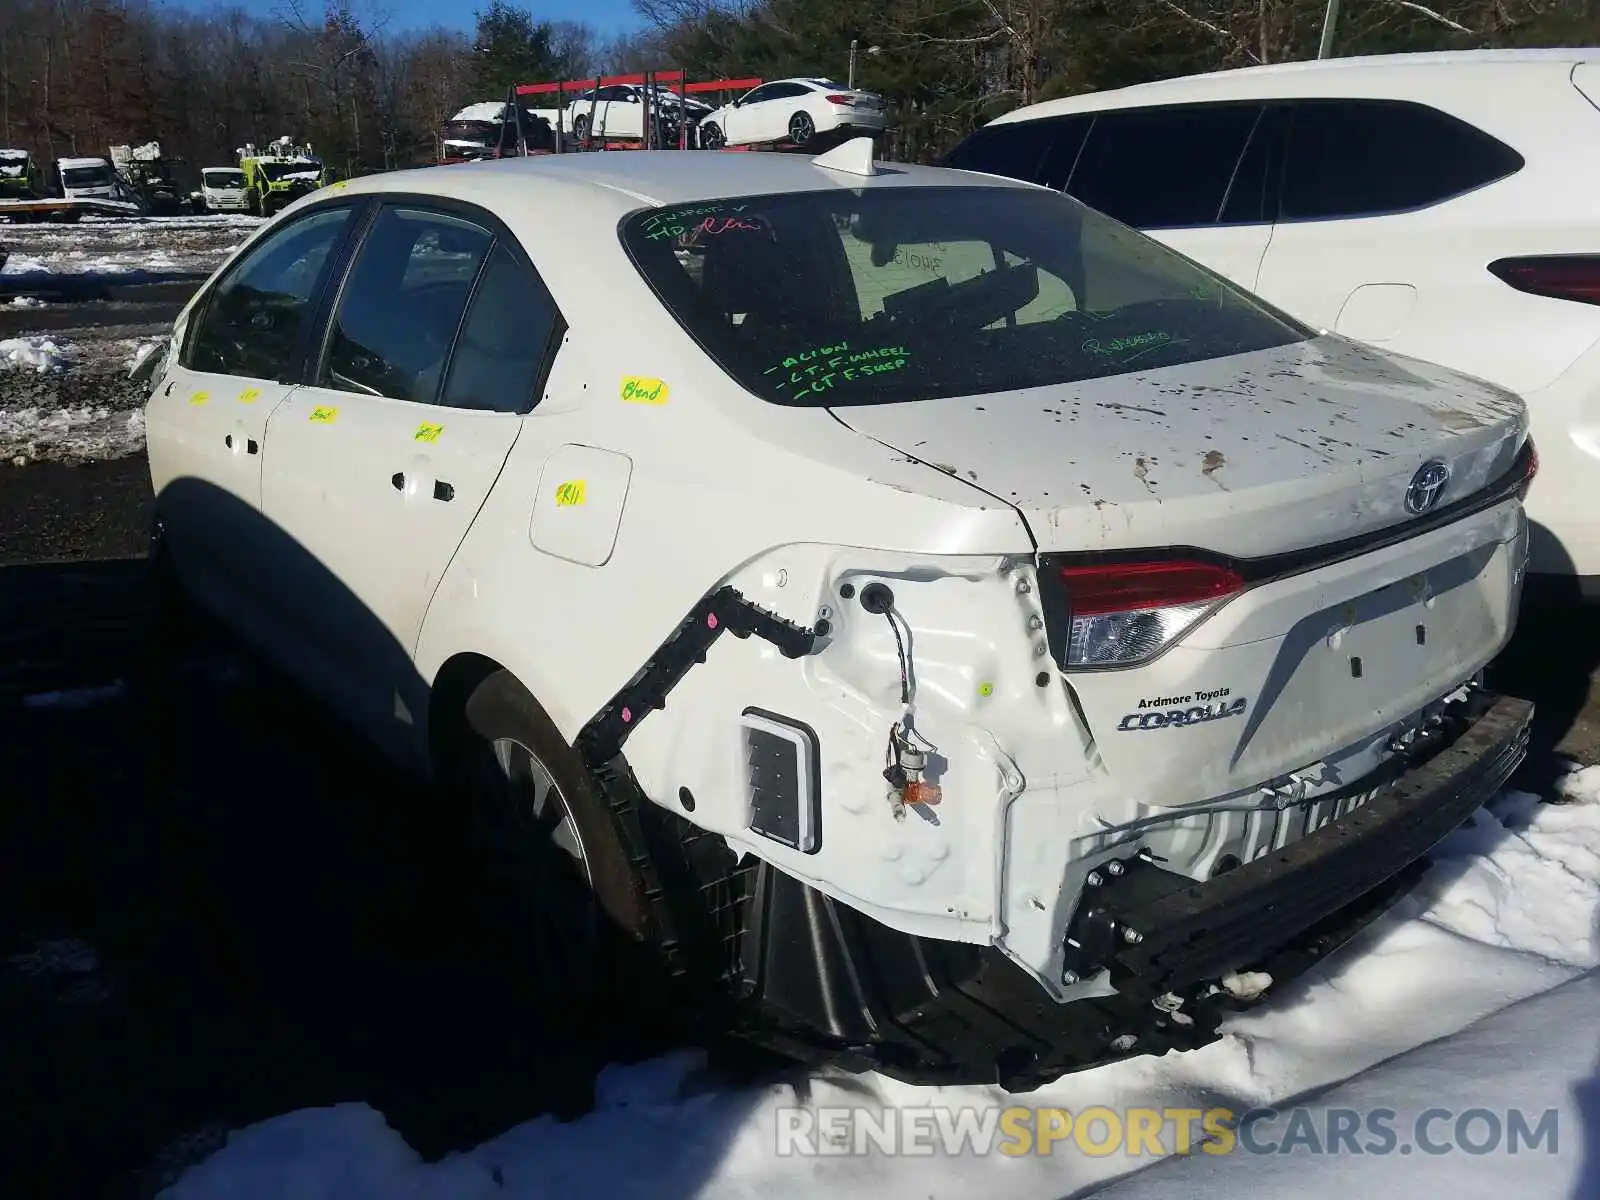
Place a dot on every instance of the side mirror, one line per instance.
(151, 358)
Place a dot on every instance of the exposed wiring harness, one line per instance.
(905, 757)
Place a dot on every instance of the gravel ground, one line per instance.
(82, 408)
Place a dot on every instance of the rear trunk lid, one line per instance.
(1274, 453)
(1254, 454)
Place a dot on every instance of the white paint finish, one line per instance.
(1235, 251)
(379, 551)
(1324, 434)
(1539, 102)
(1376, 312)
(199, 430)
(788, 504)
(579, 506)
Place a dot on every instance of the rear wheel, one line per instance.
(543, 842)
(801, 128)
(711, 137)
(580, 128)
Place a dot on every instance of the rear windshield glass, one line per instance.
(845, 297)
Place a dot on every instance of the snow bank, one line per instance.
(88, 434)
(1508, 912)
(1535, 1057)
(22, 264)
(32, 354)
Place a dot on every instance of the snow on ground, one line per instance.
(70, 401)
(31, 354)
(1508, 912)
(121, 248)
(1537, 1056)
(66, 396)
(90, 433)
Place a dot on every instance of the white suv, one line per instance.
(1439, 205)
(1104, 644)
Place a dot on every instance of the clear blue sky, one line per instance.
(607, 16)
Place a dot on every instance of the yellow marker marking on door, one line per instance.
(427, 432)
(323, 414)
(641, 389)
(986, 689)
(571, 493)
(249, 395)
(199, 397)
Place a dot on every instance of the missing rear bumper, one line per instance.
(1157, 932)
(824, 982)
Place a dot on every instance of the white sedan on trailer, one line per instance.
(986, 487)
(793, 110)
(618, 110)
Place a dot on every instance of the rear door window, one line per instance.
(402, 304)
(1162, 168)
(1360, 158)
(507, 341)
(253, 319)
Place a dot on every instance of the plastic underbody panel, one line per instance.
(824, 982)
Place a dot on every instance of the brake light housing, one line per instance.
(1529, 471)
(1122, 614)
(835, 98)
(1557, 276)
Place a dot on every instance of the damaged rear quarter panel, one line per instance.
(931, 870)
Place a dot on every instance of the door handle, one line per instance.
(251, 446)
(441, 490)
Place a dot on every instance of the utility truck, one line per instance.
(149, 176)
(279, 175)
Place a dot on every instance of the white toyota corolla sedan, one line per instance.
(1105, 644)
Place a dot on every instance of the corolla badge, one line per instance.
(1427, 485)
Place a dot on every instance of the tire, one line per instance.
(802, 128)
(711, 137)
(580, 128)
(255, 203)
(546, 846)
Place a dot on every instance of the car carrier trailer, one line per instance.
(519, 135)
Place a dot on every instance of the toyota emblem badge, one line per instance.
(1427, 485)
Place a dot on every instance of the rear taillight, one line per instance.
(1126, 613)
(1530, 472)
(1559, 276)
(836, 99)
